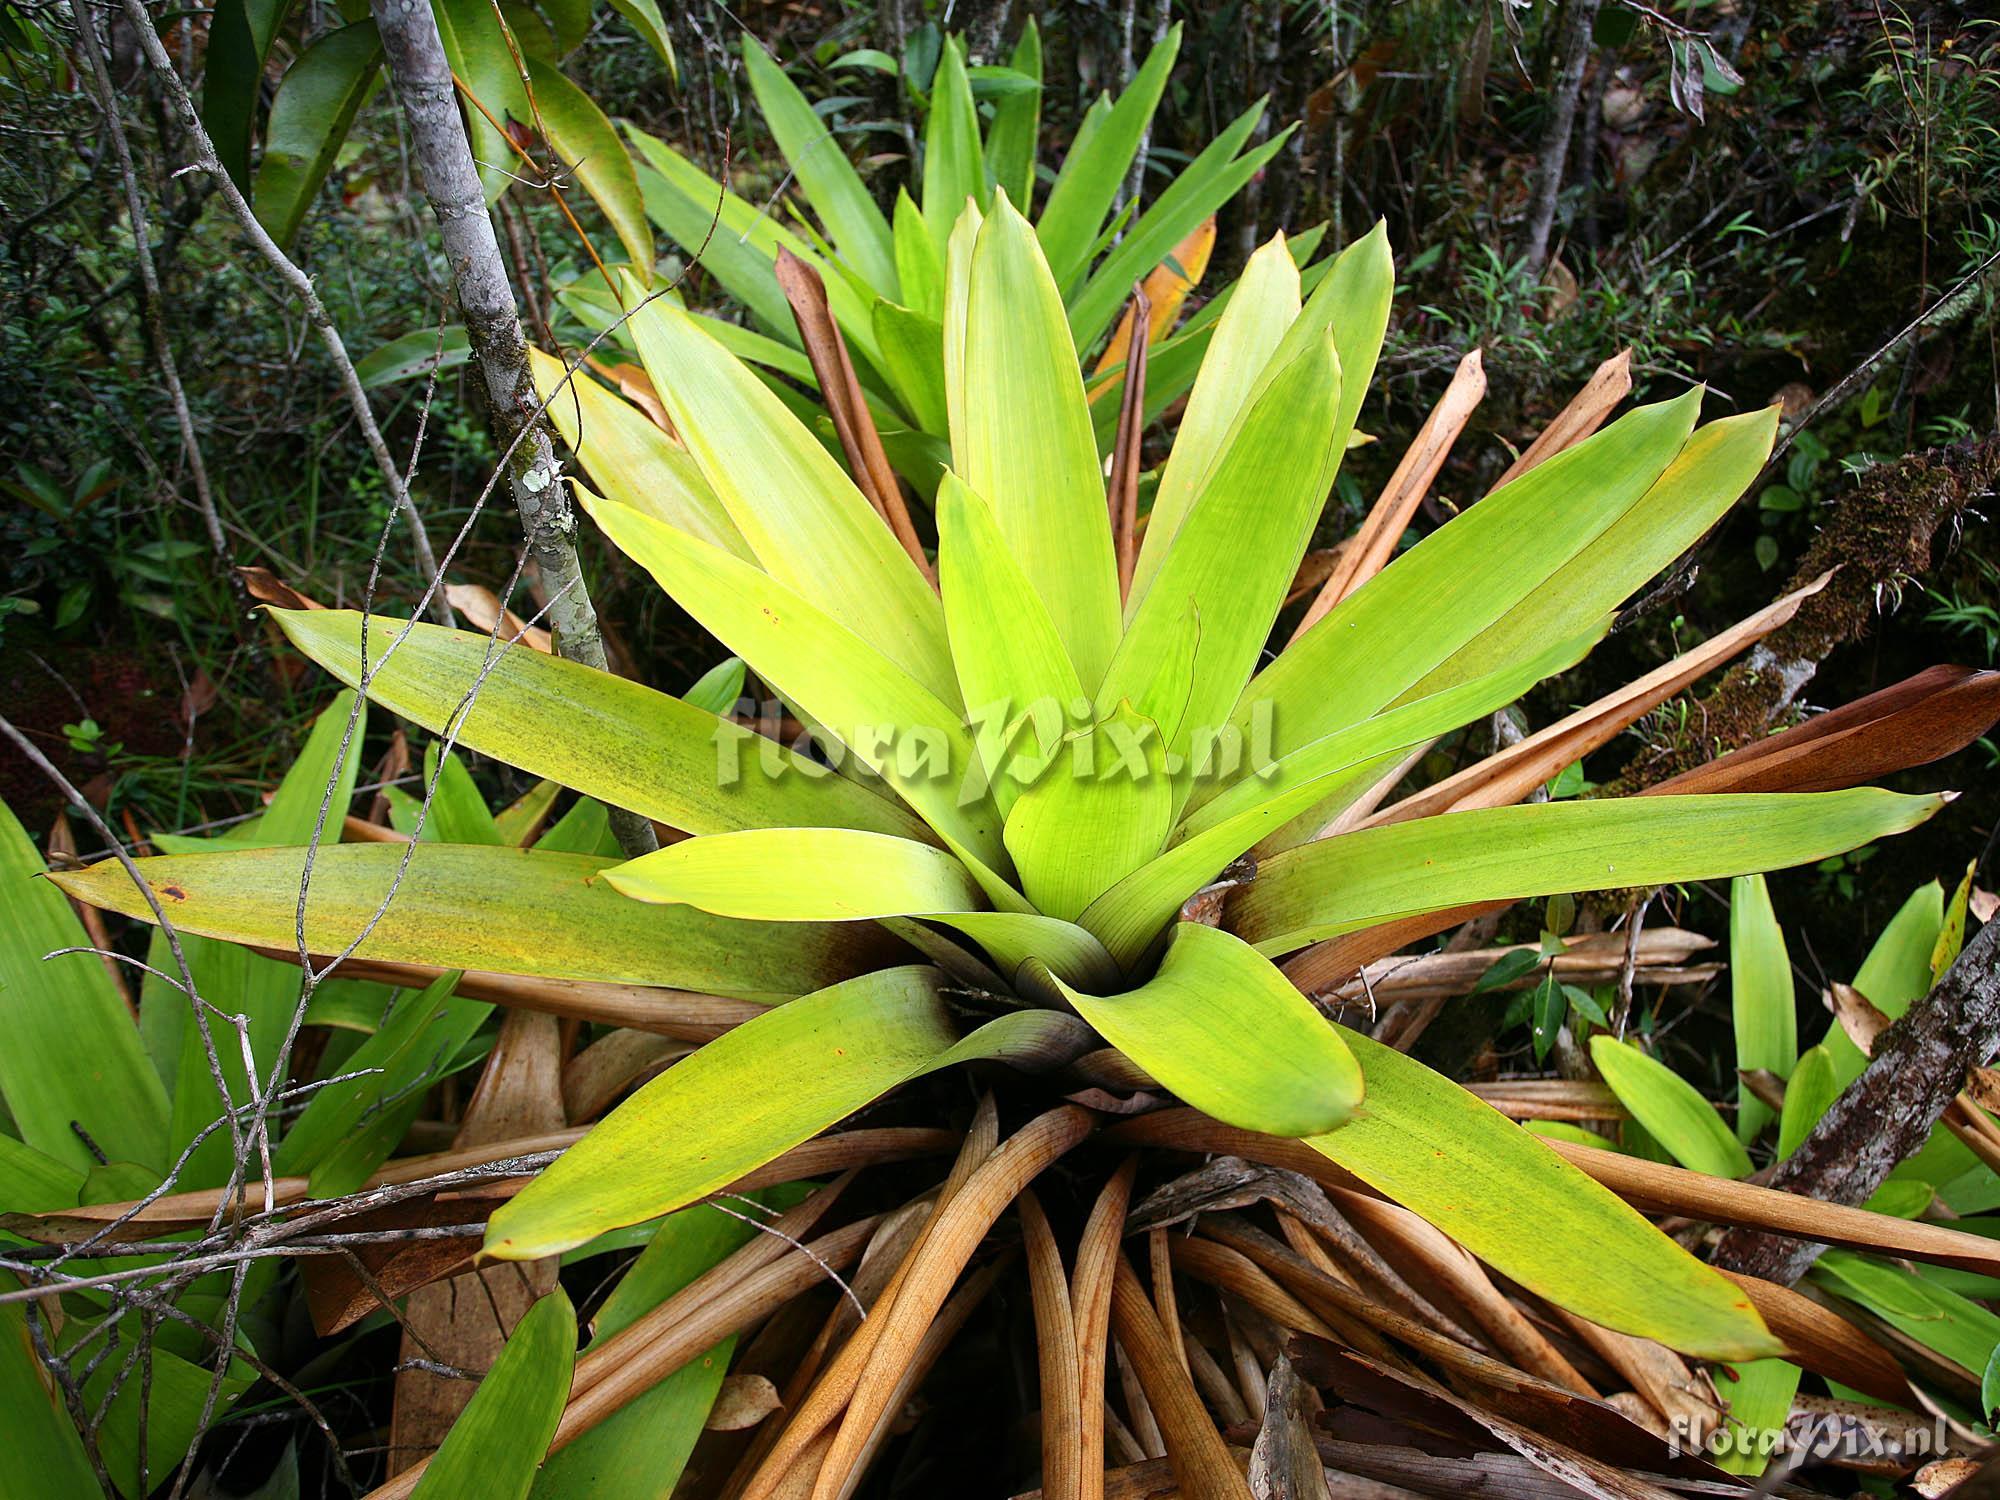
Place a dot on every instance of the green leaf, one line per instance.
(500, 1439)
(1809, 1094)
(1673, 1113)
(1016, 127)
(1014, 675)
(239, 39)
(911, 346)
(1235, 555)
(1208, 182)
(1227, 1032)
(624, 744)
(751, 1094)
(1099, 158)
(580, 135)
(891, 722)
(1384, 638)
(629, 459)
(830, 875)
(719, 687)
(1901, 1198)
(1547, 1012)
(1761, 1002)
(1356, 880)
(349, 1128)
(827, 177)
(954, 170)
(483, 67)
(1758, 1394)
(1896, 972)
(640, 1450)
(1262, 305)
(1022, 438)
(515, 911)
(414, 355)
(1101, 810)
(71, 1051)
(310, 115)
(174, 1395)
(737, 242)
(806, 523)
(584, 829)
(650, 24)
(919, 263)
(1940, 1320)
(457, 807)
(44, 1454)
(1456, 1161)
(32, 1182)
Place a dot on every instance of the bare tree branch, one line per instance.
(423, 82)
(149, 282)
(1918, 1067)
(206, 160)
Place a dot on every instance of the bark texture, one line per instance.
(1919, 1066)
(1572, 56)
(423, 82)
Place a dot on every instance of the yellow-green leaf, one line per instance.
(1261, 307)
(891, 722)
(628, 458)
(1018, 685)
(1356, 880)
(621, 743)
(1101, 810)
(1384, 638)
(1228, 1033)
(1021, 436)
(806, 523)
(480, 906)
(801, 875)
(1459, 1163)
(750, 1095)
(1235, 554)
(954, 168)
(1672, 1110)
(1761, 1001)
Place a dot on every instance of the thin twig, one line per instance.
(206, 160)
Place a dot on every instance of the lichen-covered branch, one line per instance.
(423, 82)
(1878, 538)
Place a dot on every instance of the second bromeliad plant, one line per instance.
(1071, 795)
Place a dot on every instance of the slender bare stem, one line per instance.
(289, 271)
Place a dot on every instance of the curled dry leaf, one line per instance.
(743, 1402)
